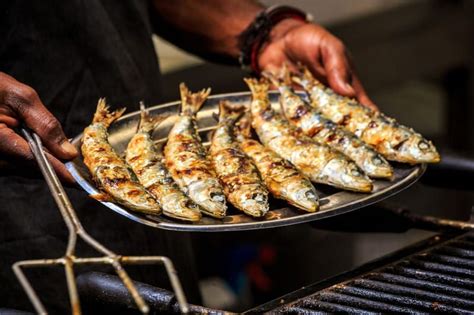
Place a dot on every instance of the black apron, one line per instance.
(73, 52)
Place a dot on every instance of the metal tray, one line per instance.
(333, 202)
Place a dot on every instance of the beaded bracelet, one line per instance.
(257, 33)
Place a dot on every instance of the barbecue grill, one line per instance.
(434, 275)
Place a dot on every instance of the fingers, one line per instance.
(336, 65)
(361, 95)
(27, 106)
(15, 147)
(341, 75)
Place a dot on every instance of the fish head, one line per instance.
(416, 149)
(377, 167)
(209, 196)
(253, 202)
(302, 194)
(346, 175)
(117, 182)
(177, 205)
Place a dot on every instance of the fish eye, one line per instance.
(217, 196)
(423, 145)
(258, 197)
(190, 204)
(377, 160)
(355, 172)
(310, 195)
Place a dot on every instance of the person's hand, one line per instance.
(19, 103)
(292, 41)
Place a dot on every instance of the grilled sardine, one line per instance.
(310, 121)
(394, 141)
(186, 158)
(242, 184)
(281, 178)
(147, 163)
(318, 162)
(111, 174)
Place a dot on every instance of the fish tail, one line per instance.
(281, 78)
(147, 122)
(230, 112)
(304, 77)
(243, 127)
(257, 87)
(272, 77)
(103, 115)
(192, 102)
(285, 75)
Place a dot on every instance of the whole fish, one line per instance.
(110, 172)
(281, 178)
(310, 121)
(394, 141)
(318, 162)
(147, 163)
(186, 158)
(242, 184)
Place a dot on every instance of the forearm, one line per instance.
(209, 28)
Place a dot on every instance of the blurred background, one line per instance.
(416, 59)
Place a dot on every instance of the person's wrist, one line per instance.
(284, 27)
(259, 32)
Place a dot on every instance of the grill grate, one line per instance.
(440, 279)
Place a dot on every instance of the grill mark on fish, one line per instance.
(300, 112)
(147, 163)
(374, 128)
(186, 158)
(318, 162)
(109, 171)
(239, 176)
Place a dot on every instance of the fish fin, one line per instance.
(147, 122)
(103, 197)
(258, 86)
(192, 102)
(285, 74)
(304, 76)
(280, 78)
(243, 127)
(229, 111)
(103, 115)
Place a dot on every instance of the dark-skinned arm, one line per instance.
(211, 29)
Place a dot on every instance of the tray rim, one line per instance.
(365, 200)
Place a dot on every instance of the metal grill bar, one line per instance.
(308, 307)
(451, 260)
(440, 279)
(416, 293)
(409, 303)
(415, 283)
(442, 268)
(432, 276)
(454, 251)
(360, 302)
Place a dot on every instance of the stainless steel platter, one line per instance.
(333, 201)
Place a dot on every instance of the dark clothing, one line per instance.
(73, 52)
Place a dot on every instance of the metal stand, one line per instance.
(69, 259)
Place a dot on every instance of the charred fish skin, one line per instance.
(394, 141)
(316, 161)
(109, 171)
(187, 161)
(147, 163)
(281, 178)
(302, 115)
(242, 184)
